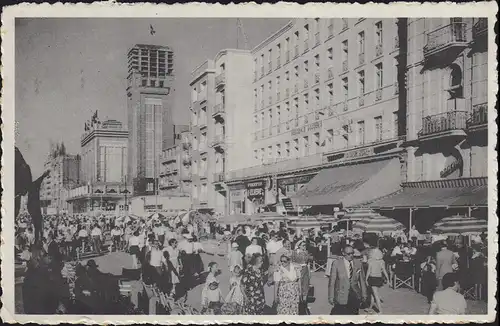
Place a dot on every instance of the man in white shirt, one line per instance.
(449, 301)
(96, 235)
(116, 235)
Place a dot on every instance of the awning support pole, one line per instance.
(410, 225)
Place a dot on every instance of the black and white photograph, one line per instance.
(265, 166)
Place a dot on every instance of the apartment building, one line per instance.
(221, 121)
(64, 175)
(175, 177)
(325, 94)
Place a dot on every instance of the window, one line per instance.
(330, 93)
(287, 109)
(306, 67)
(278, 84)
(270, 153)
(379, 76)
(306, 102)
(270, 115)
(296, 106)
(287, 44)
(256, 122)
(306, 31)
(297, 37)
(262, 155)
(329, 137)
(278, 151)
(270, 56)
(316, 144)
(287, 76)
(395, 124)
(330, 55)
(296, 71)
(161, 83)
(345, 50)
(361, 83)
(305, 149)
(262, 119)
(345, 88)
(361, 133)
(456, 88)
(255, 97)
(316, 25)
(278, 114)
(316, 62)
(255, 68)
(361, 42)
(378, 33)
(287, 149)
(256, 155)
(378, 128)
(317, 101)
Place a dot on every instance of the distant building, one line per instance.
(104, 183)
(64, 175)
(175, 176)
(150, 76)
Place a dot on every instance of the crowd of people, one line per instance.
(168, 256)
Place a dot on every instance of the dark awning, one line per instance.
(466, 195)
(352, 184)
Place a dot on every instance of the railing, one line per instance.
(317, 40)
(316, 78)
(345, 66)
(287, 56)
(296, 52)
(278, 62)
(361, 58)
(452, 120)
(306, 45)
(479, 115)
(330, 73)
(445, 35)
(219, 177)
(480, 26)
(330, 31)
(396, 88)
(306, 83)
(220, 79)
(378, 94)
(378, 50)
(361, 100)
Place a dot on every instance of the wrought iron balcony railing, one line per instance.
(220, 80)
(345, 66)
(361, 58)
(449, 35)
(441, 122)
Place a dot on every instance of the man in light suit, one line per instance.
(346, 288)
(445, 259)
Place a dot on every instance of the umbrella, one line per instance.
(379, 224)
(270, 217)
(358, 215)
(456, 225)
(307, 222)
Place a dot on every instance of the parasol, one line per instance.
(460, 225)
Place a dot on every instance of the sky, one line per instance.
(66, 68)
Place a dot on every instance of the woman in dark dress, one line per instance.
(253, 286)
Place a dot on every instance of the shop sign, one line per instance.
(363, 152)
(151, 208)
(295, 180)
(256, 189)
(237, 195)
(309, 127)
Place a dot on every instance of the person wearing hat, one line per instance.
(235, 257)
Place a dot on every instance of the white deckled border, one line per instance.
(280, 10)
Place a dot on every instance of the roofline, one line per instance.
(274, 36)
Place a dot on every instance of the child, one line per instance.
(235, 294)
(211, 298)
(213, 271)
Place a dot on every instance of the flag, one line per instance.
(151, 30)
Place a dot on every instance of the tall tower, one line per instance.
(149, 85)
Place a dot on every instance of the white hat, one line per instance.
(234, 245)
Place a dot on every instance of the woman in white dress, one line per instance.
(173, 253)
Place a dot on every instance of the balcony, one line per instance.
(169, 158)
(316, 78)
(296, 52)
(479, 118)
(219, 177)
(306, 45)
(345, 66)
(317, 39)
(220, 80)
(447, 124)
(278, 62)
(361, 58)
(218, 142)
(396, 88)
(278, 96)
(218, 111)
(378, 94)
(446, 41)
(287, 57)
(330, 73)
(169, 185)
(330, 32)
(361, 100)
(269, 67)
(480, 28)
(378, 50)
(306, 83)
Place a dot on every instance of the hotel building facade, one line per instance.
(104, 183)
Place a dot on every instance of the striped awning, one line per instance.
(358, 214)
(460, 225)
(270, 217)
(379, 224)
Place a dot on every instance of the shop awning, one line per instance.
(351, 185)
(462, 196)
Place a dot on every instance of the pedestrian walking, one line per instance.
(287, 289)
(253, 285)
(376, 277)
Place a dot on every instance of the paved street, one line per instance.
(396, 302)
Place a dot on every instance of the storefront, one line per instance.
(256, 192)
(287, 187)
(237, 196)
